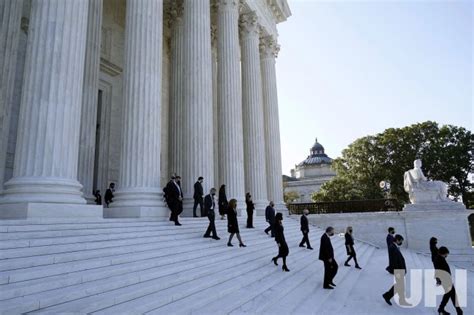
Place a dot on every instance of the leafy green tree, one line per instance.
(290, 196)
(446, 152)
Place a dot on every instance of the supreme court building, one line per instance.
(130, 91)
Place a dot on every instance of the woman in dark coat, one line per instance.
(283, 250)
(232, 223)
(250, 208)
(223, 203)
(350, 248)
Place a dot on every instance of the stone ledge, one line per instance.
(137, 212)
(49, 210)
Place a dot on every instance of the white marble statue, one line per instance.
(421, 190)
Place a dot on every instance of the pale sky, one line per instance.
(347, 69)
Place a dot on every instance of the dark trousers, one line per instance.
(249, 218)
(176, 210)
(212, 225)
(270, 228)
(198, 201)
(399, 286)
(305, 240)
(330, 271)
(449, 295)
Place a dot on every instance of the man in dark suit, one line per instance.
(305, 229)
(390, 239)
(198, 195)
(443, 277)
(399, 271)
(326, 254)
(174, 199)
(270, 217)
(210, 206)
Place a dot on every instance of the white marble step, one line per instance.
(52, 297)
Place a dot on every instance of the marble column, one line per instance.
(139, 193)
(85, 172)
(268, 52)
(165, 105)
(231, 153)
(10, 22)
(215, 118)
(175, 128)
(252, 107)
(46, 159)
(197, 104)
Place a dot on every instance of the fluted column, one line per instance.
(10, 21)
(139, 180)
(45, 167)
(85, 172)
(197, 105)
(252, 105)
(215, 113)
(269, 50)
(231, 155)
(176, 127)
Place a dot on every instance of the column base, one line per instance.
(31, 210)
(281, 207)
(260, 206)
(161, 212)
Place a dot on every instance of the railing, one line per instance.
(375, 205)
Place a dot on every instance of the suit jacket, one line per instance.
(270, 215)
(325, 250)
(198, 190)
(208, 203)
(390, 239)
(396, 258)
(440, 263)
(304, 223)
(173, 193)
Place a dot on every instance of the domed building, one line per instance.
(308, 176)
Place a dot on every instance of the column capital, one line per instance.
(248, 24)
(224, 4)
(269, 47)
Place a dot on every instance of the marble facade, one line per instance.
(132, 91)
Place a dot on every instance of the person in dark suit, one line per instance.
(350, 248)
(305, 229)
(109, 194)
(180, 203)
(390, 239)
(233, 223)
(198, 196)
(223, 203)
(174, 199)
(283, 250)
(443, 275)
(250, 208)
(270, 217)
(210, 206)
(399, 271)
(326, 254)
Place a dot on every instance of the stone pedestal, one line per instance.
(46, 159)
(139, 191)
(34, 210)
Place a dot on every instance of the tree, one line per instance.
(290, 196)
(446, 152)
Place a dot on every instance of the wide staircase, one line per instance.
(122, 266)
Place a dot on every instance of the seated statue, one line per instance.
(421, 190)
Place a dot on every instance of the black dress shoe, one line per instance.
(387, 299)
(328, 287)
(274, 259)
(177, 223)
(207, 236)
(302, 245)
(266, 232)
(230, 244)
(242, 245)
(216, 238)
(347, 265)
(358, 267)
(309, 248)
(195, 216)
(285, 268)
(442, 312)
